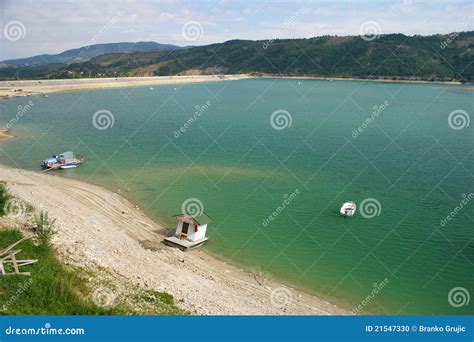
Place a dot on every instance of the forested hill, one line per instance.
(437, 57)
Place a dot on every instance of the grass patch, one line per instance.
(54, 289)
(50, 290)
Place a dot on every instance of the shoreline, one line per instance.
(5, 134)
(112, 230)
(21, 88)
(384, 80)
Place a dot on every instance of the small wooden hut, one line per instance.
(190, 231)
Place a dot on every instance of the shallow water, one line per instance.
(407, 161)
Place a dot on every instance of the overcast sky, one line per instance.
(31, 27)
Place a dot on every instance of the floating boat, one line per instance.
(348, 209)
(65, 160)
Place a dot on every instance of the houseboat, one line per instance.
(65, 160)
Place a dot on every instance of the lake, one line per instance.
(272, 160)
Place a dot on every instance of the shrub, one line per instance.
(44, 227)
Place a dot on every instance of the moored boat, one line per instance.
(348, 209)
(65, 160)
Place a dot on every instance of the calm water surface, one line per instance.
(407, 163)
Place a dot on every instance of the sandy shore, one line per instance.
(96, 226)
(5, 133)
(36, 87)
(385, 80)
(10, 89)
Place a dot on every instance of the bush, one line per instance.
(4, 197)
(44, 227)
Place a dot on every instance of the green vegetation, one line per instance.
(431, 58)
(44, 227)
(56, 289)
(4, 197)
(51, 290)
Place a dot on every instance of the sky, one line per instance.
(31, 27)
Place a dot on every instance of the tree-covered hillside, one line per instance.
(437, 57)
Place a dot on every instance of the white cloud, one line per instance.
(53, 26)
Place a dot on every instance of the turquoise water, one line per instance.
(408, 159)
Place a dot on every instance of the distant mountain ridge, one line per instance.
(393, 56)
(85, 53)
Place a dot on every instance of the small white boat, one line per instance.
(348, 209)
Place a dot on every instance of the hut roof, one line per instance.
(200, 219)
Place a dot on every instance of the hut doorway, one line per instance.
(185, 228)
